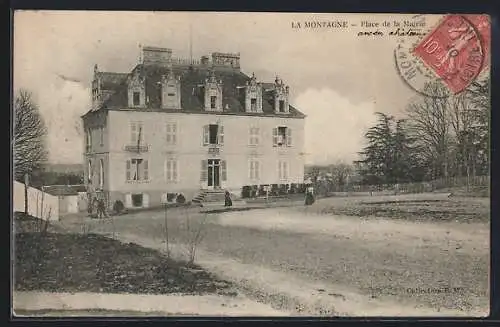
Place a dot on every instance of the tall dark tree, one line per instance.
(29, 135)
(391, 155)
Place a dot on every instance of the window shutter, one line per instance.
(174, 133)
(257, 170)
(289, 137)
(128, 170)
(275, 137)
(145, 170)
(204, 170)
(285, 170)
(223, 170)
(133, 133)
(175, 172)
(250, 169)
(167, 170)
(205, 135)
(221, 135)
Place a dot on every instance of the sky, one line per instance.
(337, 78)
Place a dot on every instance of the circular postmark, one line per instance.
(446, 60)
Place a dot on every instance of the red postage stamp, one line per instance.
(457, 50)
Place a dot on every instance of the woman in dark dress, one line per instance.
(309, 197)
(227, 201)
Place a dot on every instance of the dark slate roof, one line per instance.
(60, 190)
(111, 81)
(192, 81)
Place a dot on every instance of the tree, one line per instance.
(429, 125)
(480, 98)
(29, 135)
(340, 173)
(28, 139)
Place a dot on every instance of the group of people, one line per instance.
(99, 206)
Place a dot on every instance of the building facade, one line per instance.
(175, 126)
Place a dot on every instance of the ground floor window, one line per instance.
(283, 170)
(137, 200)
(254, 169)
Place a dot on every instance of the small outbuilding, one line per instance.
(67, 195)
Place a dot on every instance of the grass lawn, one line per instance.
(452, 209)
(58, 262)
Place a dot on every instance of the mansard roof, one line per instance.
(192, 80)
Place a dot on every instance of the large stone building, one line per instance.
(186, 126)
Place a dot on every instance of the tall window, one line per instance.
(213, 102)
(254, 169)
(171, 171)
(137, 98)
(283, 170)
(89, 139)
(253, 105)
(254, 136)
(89, 172)
(136, 133)
(101, 136)
(101, 173)
(171, 134)
(213, 134)
(137, 170)
(282, 136)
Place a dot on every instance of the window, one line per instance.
(282, 136)
(101, 134)
(137, 170)
(213, 134)
(171, 134)
(89, 173)
(101, 173)
(254, 136)
(136, 133)
(171, 173)
(136, 98)
(213, 103)
(253, 105)
(254, 169)
(89, 140)
(282, 105)
(171, 90)
(283, 170)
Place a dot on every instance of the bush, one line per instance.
(180, 199)
(118, 207)
(246, 191)
(171, 197)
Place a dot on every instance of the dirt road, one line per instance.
(439, 267)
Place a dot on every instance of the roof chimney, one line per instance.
(156, 56)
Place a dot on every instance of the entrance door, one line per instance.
(213, 173)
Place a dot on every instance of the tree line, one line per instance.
(440, 136)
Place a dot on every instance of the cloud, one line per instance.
(334, 126)
(61, 103)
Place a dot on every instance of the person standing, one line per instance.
(227, 200)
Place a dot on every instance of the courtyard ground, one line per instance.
(341, 256)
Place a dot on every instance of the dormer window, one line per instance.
(282, 105)
(253, 95)
(136, 90)
(170, 91)
(253, 104)
(137, 99)
(281, 92)
(213, 93)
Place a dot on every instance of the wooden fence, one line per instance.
(325, 186)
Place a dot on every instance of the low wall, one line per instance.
(40, 204)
